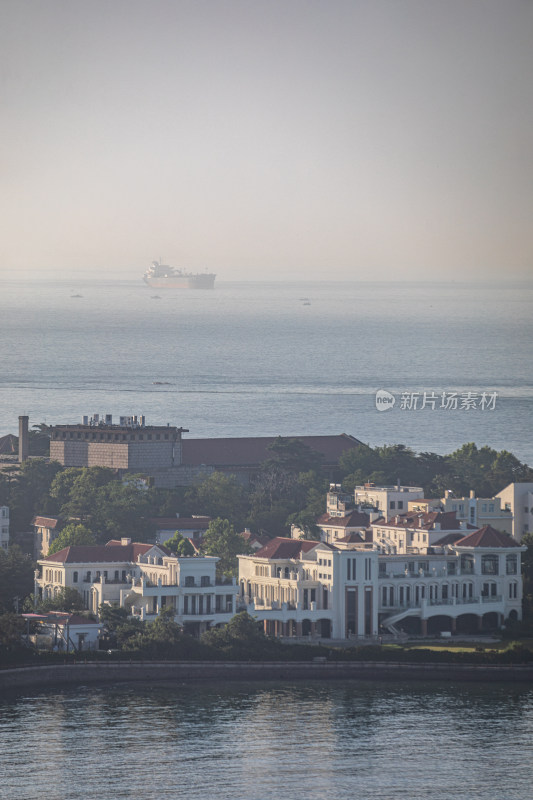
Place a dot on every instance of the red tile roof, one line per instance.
(251, 451)
(355, 519)
(352, 538)
(285, 548)
(487, 536)
(111, 552)
(250, 537)
(450, 538)
(45, 522)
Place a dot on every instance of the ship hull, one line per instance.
(201, 281)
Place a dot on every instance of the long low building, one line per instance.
(143, 578)
(350, 590)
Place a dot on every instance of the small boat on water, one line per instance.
(76, 295)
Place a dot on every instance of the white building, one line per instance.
(45, 530)
(303, 588)
(145, 578)
(4, 527)
(387, 499)
(517, 498)
(415, 531)
(65, 632)
(479, 511)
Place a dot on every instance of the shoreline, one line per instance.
(204, 671)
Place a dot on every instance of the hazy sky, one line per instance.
(355, 139)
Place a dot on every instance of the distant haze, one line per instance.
(268, 139)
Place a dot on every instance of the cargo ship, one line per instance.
(161, 276)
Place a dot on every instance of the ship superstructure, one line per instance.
(161, 276)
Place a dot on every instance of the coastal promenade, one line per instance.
(153, 672)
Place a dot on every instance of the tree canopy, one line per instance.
(72, 534)
(221, 540)
(180, 545)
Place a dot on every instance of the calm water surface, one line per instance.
(253, 359)
(270, 741)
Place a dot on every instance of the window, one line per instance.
(400, 503)
(392, 504)
(116, 575)
(513, 593)
(74, 577)
(467, 564)
(189, 580)
(489, 564)
(511, 564)
(204, 580)
(444, 591)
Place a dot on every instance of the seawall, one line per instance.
(194, 672)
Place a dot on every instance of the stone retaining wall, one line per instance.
(151, 672)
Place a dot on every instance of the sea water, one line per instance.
(317, 741)
(251, 359)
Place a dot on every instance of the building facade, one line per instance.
(301, 588)
(480, 511)
(130, 446)
(387, 499)
(517, 498)
(144, 578)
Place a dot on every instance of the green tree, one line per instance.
(127, 632)
(121, 510)
(293, 455)
(11, 629)
(180, 545)
(77, 490)
(66, 599)
(39, 440)
(221, 540)
(30, 492)
(158, 639)
(16, 578)
(527, 575)
(72, 534)
(241, 638)
(112, 615)
(219, 495)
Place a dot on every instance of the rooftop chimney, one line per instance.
(24, 439)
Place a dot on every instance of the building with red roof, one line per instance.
(142, 577)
